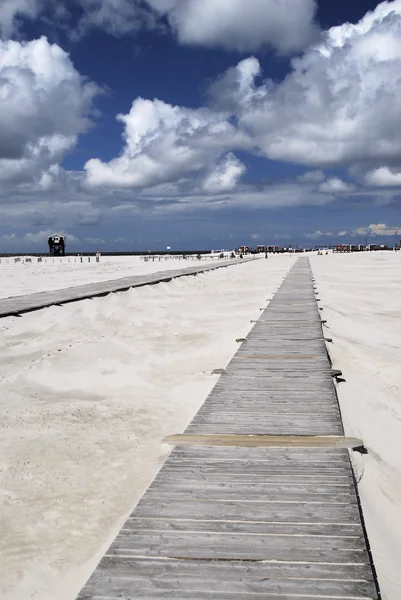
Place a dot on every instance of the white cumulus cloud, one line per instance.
(11, 11)
(375, 229)
(383, 177)
(339, 106)
(286, 25)
(316, 235)
(164, 143)
(382, 229)
(243, 25)
(44, 104)
(312, 176)
(117, 17)
(336, 185)
(225, 175)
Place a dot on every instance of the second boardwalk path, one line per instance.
(18, 305)
(236, 523)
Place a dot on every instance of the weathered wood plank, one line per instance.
(150, 593)
(272, 455)
(285, 476)
(350, 530)
(294, 512)
(252, 543)
(222, 585)
(205, 571)
(284, 429)
(243, 492)
(263, 441)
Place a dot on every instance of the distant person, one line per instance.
(198, 257)
(232, 255)
(241, 255)
(266, 254)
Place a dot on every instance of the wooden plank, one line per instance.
(252, 544)
(293, 512)
(149, 593)
(261, 441)
(276, 456)
(223, 583)
(258, 492)
(235, 547)
(349, 530)
(264, 357)
(285, 476)
(286, 428)
(258, 468)
(268, 407)
(211, 570)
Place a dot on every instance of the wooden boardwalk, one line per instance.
(235, 523)
(17, 305)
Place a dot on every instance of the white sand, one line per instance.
(88, 390)
(61, 272)
(361, 296)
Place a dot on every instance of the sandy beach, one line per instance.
(361, 297)
(88, 391)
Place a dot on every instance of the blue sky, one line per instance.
(137, 124)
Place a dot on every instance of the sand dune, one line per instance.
(88, 390)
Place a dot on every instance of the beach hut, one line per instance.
(56, 245)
